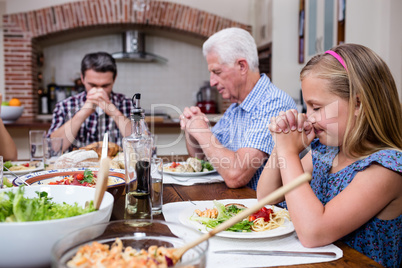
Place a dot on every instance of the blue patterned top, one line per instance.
(381, 240)
(246, 124)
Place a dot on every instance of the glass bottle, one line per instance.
(137, 155)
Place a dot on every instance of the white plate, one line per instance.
(185, 215)
(40, 166)
(186, 174)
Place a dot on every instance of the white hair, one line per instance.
(231, 44)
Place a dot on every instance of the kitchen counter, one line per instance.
(45, 123)
(29, 123)
(170, 138)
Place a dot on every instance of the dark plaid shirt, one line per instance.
(96, 124)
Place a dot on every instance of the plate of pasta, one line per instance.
(270, 221)
(22, 167)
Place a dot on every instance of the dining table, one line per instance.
(217, 191)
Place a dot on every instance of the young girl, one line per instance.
(354, 127)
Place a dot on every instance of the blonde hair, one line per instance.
(368, 84)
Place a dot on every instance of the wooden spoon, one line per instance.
(178, 252)
(101, 183)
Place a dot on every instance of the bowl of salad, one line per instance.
(33, 218)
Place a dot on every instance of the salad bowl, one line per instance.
(29, 244)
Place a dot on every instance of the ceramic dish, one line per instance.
(139, 234)
(116, 178)
(38, 166)
(29, 244)
(186, 174)
(202, 205)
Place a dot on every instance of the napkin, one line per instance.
(289, 242)
(191, 180)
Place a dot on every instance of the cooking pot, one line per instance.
(206, 99)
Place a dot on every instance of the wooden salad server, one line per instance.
(103, 174)
(101, 183)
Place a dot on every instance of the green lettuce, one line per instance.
(206, 165)
(17, 208)
(224, 213)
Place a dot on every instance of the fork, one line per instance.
(17, 177)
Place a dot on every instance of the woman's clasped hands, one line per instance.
(292, 132)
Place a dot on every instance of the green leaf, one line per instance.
(6, 182)
(18, 208)
(207, 165)
(224, 213)
(7, 164)
(88, 176)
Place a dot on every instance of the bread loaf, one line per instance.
(113, 148)
(77, 159)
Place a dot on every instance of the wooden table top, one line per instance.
(176, 193)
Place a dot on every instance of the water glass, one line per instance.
(53, 148)
(1, 171)
(157, 185)
(154, 140)
(36, 144)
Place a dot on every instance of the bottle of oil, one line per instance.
(137, 154)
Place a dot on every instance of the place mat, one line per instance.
(187, 181)
(171, 212)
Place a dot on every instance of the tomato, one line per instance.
(174, 165)
(80, 177)
(262, 213)
(75, 182)
(26, 165)
(251, 218)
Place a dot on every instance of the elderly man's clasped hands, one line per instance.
(192, 120)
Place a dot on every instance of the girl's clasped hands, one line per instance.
(292, 131)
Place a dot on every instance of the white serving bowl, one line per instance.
(10, 114)
(29, 244)
(138, 234)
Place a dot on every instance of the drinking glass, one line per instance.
(157, 185)
(154, 140)
(53, 148)
(36, 144)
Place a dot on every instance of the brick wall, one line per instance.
(22, 30)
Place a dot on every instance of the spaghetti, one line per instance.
(263, 220)
(100, 255)
(277, 219)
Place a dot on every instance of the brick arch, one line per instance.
(21, 31)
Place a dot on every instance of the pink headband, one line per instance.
(336, 56)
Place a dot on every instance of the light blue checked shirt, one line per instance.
(245, 125)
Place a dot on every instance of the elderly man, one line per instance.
(84, 118)
(240, 143)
